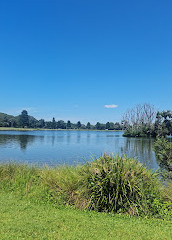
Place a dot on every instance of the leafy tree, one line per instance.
(61, 124)
(108, 125)
(117, 126)
(53, 123)
(88, 125)
(78, 124)
(41, 123)
(163, 124)
(68, 124)
(24, 119)
(98, 126)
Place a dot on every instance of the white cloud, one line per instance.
(111, 106)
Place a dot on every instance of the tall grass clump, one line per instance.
(121, 184)
(63, 184)
(19, 178)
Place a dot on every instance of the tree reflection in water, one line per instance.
(23, 140)
(140, 148)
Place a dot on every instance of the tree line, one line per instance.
(141, 121)
(26, 121)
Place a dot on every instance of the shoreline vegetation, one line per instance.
(110, 198)
(113, 184)
(145, 121)
(46, 129)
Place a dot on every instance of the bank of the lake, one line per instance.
(48, 129)
(52, 203)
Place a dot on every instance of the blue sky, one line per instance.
(68, 59)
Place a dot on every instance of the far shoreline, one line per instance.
(46, 129)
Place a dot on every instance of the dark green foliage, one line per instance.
(163, 124)
(88, 125)
(163, 151)
(100, 126)
(7, 120)
(24, 119)
(108, 125)
(61, 124)
(78, 124)
(40, 123)
(69, 126)
(53, 123)
(141, 131)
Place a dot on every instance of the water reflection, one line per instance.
(70, 147)
(142, 149)
(22, 140)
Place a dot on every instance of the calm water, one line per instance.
(71, 147)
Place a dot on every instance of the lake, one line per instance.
(71, 147)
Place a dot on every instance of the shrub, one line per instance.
(121, 184)
(163, 151)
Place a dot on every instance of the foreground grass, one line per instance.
(24, 219)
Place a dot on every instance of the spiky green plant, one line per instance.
(121, 184)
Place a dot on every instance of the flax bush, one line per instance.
(121, 184)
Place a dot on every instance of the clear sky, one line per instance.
(69, 58)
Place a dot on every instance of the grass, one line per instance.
(24, 219)
(18, 129)
(54, 203)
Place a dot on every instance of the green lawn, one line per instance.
(22, 219)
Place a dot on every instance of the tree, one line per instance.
(117, 126)
(163, 123)
(53, 123)
(88, 125)
(140, 120)
(41, 123)
(24, 119)
(108, 125)
(78, 124)
(98, 126)
(68, 124)
(61, 124)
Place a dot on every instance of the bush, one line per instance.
(121, 184)
(163, 151)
